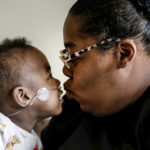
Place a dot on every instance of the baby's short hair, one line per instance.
(12, 54)
(8, 44)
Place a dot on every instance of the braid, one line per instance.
(114, 18)
(143, 7)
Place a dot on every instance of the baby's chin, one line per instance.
(56, 113)
(58, 110)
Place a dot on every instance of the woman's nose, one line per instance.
(67, 72)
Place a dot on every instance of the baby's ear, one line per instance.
(22, 96)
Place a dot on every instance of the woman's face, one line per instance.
(94, 77)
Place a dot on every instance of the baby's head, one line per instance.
(26, 80)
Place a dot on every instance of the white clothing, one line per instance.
(12, 137)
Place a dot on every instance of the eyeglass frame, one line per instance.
(68, 58)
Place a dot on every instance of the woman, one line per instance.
(108, 64)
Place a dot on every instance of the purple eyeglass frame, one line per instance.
(66, 57)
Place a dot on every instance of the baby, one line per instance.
(28, 93)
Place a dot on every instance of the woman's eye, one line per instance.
(75, 61)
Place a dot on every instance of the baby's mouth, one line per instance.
(60, 92)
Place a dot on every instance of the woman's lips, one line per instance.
(69, 93)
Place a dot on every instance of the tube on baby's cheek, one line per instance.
(43, 94)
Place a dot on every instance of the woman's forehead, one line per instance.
(72, 25)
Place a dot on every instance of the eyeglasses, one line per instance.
(66, 58)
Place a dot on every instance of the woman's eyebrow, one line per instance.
(69, 45)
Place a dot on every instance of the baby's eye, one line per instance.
(50, 76)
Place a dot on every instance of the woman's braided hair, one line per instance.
(114, 18)
(143, 7)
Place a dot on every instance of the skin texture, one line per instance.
(35, 73)
(99, 79)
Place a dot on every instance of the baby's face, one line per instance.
(38, 75)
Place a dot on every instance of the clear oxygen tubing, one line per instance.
(42, 94)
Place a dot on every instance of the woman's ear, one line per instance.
(22, 96)
(126, 52)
